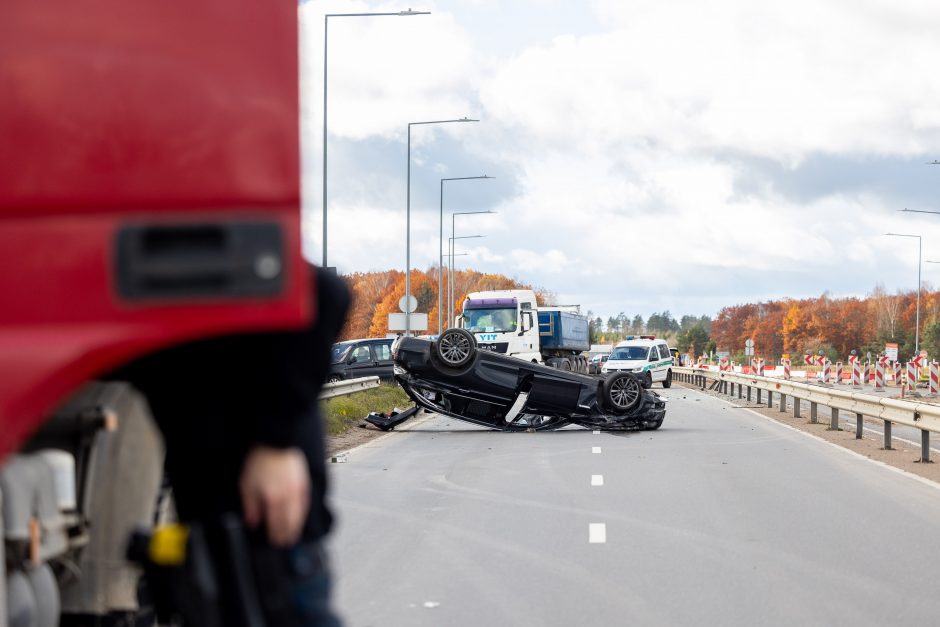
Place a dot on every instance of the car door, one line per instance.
(659, 354)
(666, 356)
(360, 362)
(382, 352)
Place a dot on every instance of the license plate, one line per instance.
(487, 347)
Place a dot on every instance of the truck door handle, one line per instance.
(224, 259)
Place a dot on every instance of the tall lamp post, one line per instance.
(919, 264)
(452, 246)
(408, 214)
(440, 247)
(326, 30)
(450, 284)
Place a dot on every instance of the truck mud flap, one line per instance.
(392, 420)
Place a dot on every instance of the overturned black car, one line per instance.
(452, 376)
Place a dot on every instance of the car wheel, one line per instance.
(455, 347)
(648, 380)
(667, 382)
(333, 378)
(622, 392)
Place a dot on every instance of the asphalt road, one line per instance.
(720, 518)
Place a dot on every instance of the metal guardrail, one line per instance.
(341, 388)
(922, 416)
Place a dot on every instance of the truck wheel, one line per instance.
(622, 392)
(455, 347)
(667, 382)
(565, 365)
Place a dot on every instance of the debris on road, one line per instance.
(387, 422)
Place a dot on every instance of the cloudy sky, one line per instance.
(679, 155)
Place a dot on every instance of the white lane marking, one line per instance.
(597, 432)
(597, 533)
(596, 450)
(597, 479)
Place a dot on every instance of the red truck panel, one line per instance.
(115, 114)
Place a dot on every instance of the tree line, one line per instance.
(834, 326)
(376, 294)
(690, 334)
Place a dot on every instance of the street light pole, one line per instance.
(326, 31)
(440, 247)
(450, 282)
(919, 264)
(452, 245)
(408, 214)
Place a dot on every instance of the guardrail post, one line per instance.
(833, 419)
(813, 412)
(759, 391)
(887, 446)
(740, 391)
(783, 403)
(770, 399)
(859, 419)
(748, 394)
(924, 446)
(796, 407)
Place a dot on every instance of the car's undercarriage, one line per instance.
(509, 394)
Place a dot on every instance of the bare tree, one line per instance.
(886, 308)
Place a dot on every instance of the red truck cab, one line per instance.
(149, 186)
(149, 196)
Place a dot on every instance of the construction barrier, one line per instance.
(897, 374)
(827, 370)
(880, 374)
(856, 374)
(838, 372)
(934, 378)
(786, 369)
(911, 375)
(866, 373)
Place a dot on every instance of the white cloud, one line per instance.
(630, 147)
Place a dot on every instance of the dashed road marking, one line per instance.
(597, 533)
(597, 479)
(596, 450)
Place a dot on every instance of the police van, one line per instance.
(645, 356)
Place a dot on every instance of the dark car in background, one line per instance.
(362, 358)
(452, 376)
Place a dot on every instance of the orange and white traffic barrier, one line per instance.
(934, 378)
(786, 369)
(838, 372)
(856, 374)
(897, 373)
(827, 370)
(880, 374)
(866, 373)
(911, 375)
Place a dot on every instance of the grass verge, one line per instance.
(343, 412)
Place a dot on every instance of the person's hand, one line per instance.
(275, 490)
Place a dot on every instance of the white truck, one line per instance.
(510, 322)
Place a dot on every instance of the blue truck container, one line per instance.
(563, 331)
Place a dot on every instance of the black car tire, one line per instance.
(455, 347)
(648, 380)
(667, 382)
(622, 392)
(333, 378)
